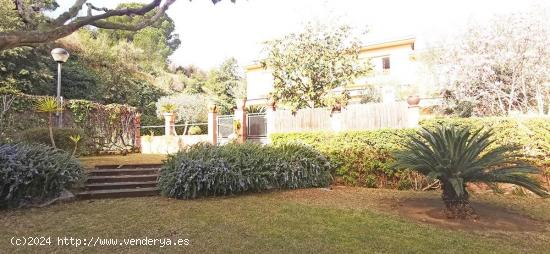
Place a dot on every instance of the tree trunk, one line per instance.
(456, 207)
(51, 130)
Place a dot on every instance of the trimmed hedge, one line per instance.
(34, 173)
(363, 158)
(206, 170)
(61, 138)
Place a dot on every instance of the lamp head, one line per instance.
(60, 55)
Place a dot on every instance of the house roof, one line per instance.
(369, 46)
(389, 43)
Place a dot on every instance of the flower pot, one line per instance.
(337, 107)
(271, 103)
(413, 100)
(169, 122)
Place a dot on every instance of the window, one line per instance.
(385, 63)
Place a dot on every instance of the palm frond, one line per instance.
(459, 154)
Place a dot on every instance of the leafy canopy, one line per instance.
(307, 65)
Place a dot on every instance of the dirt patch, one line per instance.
(491, 217)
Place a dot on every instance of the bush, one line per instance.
(363, 158)
(61, 137)
(195, 130)
(206, 170)
(33, 173)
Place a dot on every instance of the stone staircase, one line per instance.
(117, 181)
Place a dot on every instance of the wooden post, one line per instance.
(212, 124)
(137, 133)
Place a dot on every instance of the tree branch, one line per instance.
(23, 12)
(71, 13)
(145, 23)
(60, 28)
(18, 38)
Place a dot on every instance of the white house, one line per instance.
(394, 73)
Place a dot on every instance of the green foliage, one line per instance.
(47, 105)
(206, 170)
(110, 127)
(309, 64)
(195, 130)
(459, 155)
(158, 41)
(226, 84)
(188, 108)
(62, 137)
(364, 158)
(168, 108)
(33, 173)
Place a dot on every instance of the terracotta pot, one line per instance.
(337, 107)
(271, 103)
(413, 100)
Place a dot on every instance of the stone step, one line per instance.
(121, 178)
(119, 193)
(128, 166)
(123, 171)
(120, 185)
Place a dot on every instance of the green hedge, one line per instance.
(363, 158)
(34, 173)
(206, 170)
(61, 138)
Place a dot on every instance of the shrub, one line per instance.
(364, 158)
(195, 130)
(459, 155)
(31, 173)
(206, 170)
(61, 137)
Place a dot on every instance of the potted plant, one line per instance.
(168, 110)
(413, 100)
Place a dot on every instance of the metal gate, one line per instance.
(257, 125)
(225, 126)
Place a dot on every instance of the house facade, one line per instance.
(393, 78)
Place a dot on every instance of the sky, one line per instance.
(211, 33)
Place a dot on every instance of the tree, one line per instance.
(33, 26)
(188, 108)
(158, 40)
(498, 68)
(306, 66)
(456, 156)
(226, 84)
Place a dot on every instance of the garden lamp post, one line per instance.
(60, 55)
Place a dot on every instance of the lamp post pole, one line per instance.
(60, 56)
(59, 98)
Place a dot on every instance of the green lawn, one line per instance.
(133, 158)
(344, 220)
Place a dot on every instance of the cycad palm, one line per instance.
(456, 156)
(48, 105)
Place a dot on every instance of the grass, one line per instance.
(348, 220)
(134, 158)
